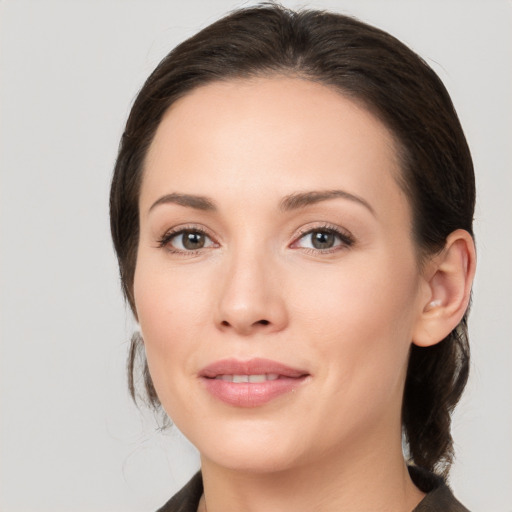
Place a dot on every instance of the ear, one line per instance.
(448, 278)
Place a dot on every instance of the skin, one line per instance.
(259, 288)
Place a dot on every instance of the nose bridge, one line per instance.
(249, 296)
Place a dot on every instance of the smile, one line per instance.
(248, 378)
(250, 383)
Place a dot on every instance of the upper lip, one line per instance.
(257, 366)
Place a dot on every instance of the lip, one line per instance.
(250, 394)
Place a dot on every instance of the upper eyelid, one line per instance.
(182, 228)
(187, 227)
(325, 227)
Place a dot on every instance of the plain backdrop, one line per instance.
(71, 440)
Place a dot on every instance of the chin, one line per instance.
(254, 448)
(260, 461)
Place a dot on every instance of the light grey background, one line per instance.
(70, 438)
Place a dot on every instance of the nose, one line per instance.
(251, 297)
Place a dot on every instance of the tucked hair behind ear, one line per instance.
(375, 69)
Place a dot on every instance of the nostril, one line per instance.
(226, 323)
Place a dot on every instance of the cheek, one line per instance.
(169, 309)
(362, 330)
(167, 300)
(362, 293)
(362, 316)
(175, 306)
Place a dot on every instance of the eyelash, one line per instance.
(346, 239)
(164, 241)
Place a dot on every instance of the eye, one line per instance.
(186, 240)
(324, 239)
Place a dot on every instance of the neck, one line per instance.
(374, 479)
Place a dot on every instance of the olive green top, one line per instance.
(439, 497)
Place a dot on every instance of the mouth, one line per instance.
(248, 378)
(250, 383)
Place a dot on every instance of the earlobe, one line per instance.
(448, 279)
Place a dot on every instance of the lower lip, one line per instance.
(247, 394)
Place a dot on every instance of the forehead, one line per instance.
(289, 133)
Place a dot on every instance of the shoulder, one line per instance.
(439, 497)
(187, 499)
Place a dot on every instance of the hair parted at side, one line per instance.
(393, 82)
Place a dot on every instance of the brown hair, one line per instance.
(370, 66)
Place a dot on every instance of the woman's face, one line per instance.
(276, 285)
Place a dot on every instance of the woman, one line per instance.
(292, 212)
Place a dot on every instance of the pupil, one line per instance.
(193, 240)
(323, 240)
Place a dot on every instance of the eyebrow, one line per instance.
(291, 202)
(188, 200)
(303, 199)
